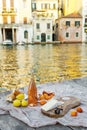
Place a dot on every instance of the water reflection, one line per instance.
(49, 63)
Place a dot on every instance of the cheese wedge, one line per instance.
(51, 104)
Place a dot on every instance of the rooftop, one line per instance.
(73, 15)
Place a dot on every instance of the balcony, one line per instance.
(9, 12)
(12, 13)
(4, 13)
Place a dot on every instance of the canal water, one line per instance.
(49, 63)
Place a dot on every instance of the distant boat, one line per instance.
(21, 43)
(7, 43)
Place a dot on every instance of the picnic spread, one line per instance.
(65, 104)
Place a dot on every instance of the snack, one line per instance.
(46, 95)
(20, 96)
(41, 97)
(79, 109)
(42, 102)
(16, 103)
(16, 92)
(53, 103)
(11, 97)
(73, 113)
(24, 103)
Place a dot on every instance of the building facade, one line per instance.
(69, 6)
(69, 28)
(51, 7)
(42, 28)
(15, 20)
(84, 25)
(46, 13)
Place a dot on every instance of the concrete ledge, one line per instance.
(71, 42)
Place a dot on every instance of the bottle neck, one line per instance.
(32, 75)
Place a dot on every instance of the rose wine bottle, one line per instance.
(32, 92)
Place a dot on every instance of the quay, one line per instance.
(44, 43)
(10, 123)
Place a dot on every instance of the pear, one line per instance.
(20, 96)
(16, 103)
(24, 103)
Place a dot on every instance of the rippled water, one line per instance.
(49, 63)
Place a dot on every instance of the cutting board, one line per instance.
(68, 103)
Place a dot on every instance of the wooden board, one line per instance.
(69, 103)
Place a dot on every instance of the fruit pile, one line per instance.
(20, 101)
(17, 98)
(45, 96)
(76, 111)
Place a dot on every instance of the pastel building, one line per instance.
(15, 20)
(84, 25)
(42, 27)
(51, 7)
(44, 14)
(69, 6)
(69, 28)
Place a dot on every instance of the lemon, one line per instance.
(20, 96)
(24, 103)
(16, 103)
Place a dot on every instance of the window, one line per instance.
(25, 20)
(48, 36)
(25, 34)
(38, 37)
(54, 6)
(67, 34)
(12, 3)
(4, 3)
(5, 20)
(77, 23)
(45, 6)
(56, 25)
(85, 24)
(33, 6)
(48, 25)
(85, 20)
(53, 28)
(38, 26)
(77, 34)
(85, 30)
(12, 19)
(67, 23)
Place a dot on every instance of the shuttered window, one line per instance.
(11, 3)
(4, 3)
(4, 19)
(25, 34)
(12, 19)
(25, 20)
